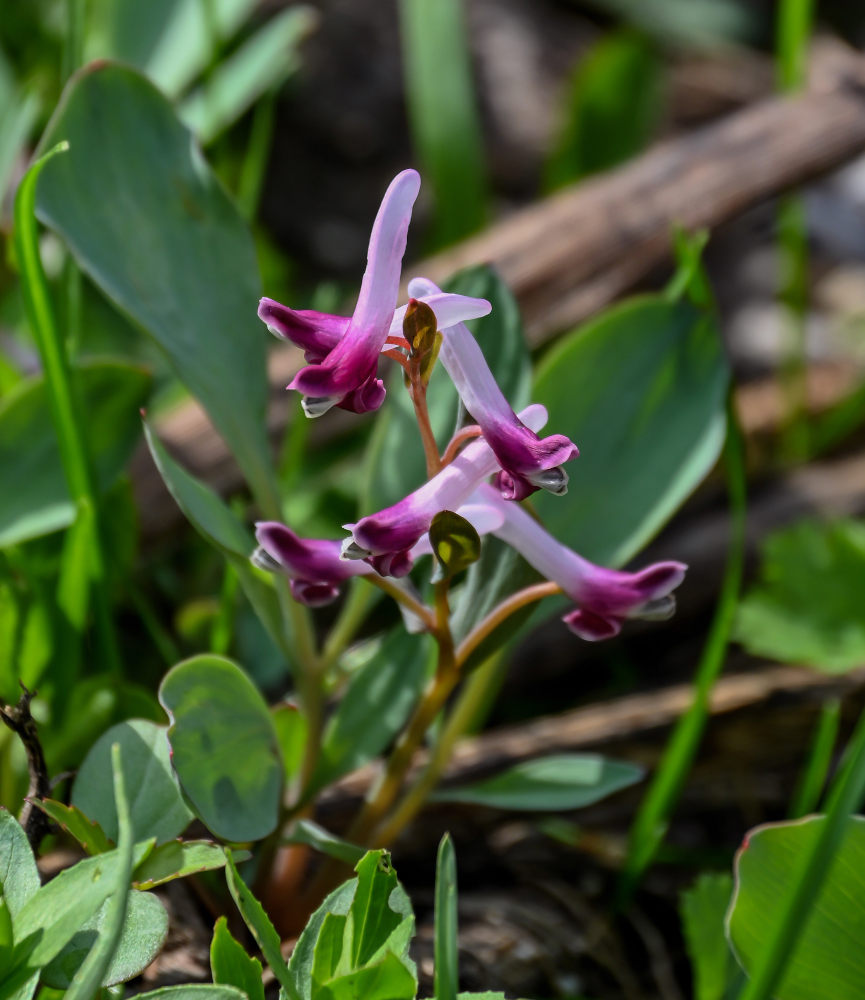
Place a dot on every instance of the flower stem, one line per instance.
(417, 392)
(458, 440)
(502, 611)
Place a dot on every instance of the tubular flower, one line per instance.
(347, 375)
(604, 597)
(386, 538)
(313, 565)
(527, 462)
(317, 333)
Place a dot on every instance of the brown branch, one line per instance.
(18, 718)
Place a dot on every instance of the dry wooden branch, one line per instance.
(569, 255)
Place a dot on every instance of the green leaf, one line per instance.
(19, 877)
(703, 908)
(300, 964)
(305, 831)
(156, 804)
(641, 391)
(144, 931)
(291, 733)
(112, 394)
(215, 520)
(561, 781)
(189, 277)
(372, 916)
(200, 991)
(443, 113)
(261, 64)
(224, 747)
(446, 949)
(829, 957)
(455, 544)
(86, 831)
(262, 929)
(397, 464)
(374, 708)
(786, 617)
(95, 968)
(230, 964)
(614, 105)
(177, 859)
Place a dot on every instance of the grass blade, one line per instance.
(446, 953)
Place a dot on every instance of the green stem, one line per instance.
(223, 622)
(65, 412)
(650, 825)
(803, 888)
(257, 157)
(351, 616)
(813, 777)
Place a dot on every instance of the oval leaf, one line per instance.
(189, 277)
(641, 391)
(144, 931)
(829, 957)
(156, 804)
(19, 877)
(563, 781)
(224, 747)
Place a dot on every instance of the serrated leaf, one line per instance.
(785, 616)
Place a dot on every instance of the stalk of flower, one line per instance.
(386, 538)
(528, 463)
(605, 598)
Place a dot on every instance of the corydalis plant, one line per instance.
(500, 446)
(495, 459)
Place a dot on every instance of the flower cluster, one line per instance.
(504, 462)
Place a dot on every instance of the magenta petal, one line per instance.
(590, 626)
(315, 332)
(307, 560)
(367, 397)
(313, 595)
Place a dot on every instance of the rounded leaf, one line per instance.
(224, 747)
(156, 805)
(829, 957)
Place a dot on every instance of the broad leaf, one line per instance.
(189, 277)
(786, 617)
(156, 804)
(197, 991)
(19, 877)
(829, 957)
(231, 965)
(112, 394)
(641, 391)
(224, 747)
(144, 931)
(563, 781)
(455, 544)
(374, 708)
